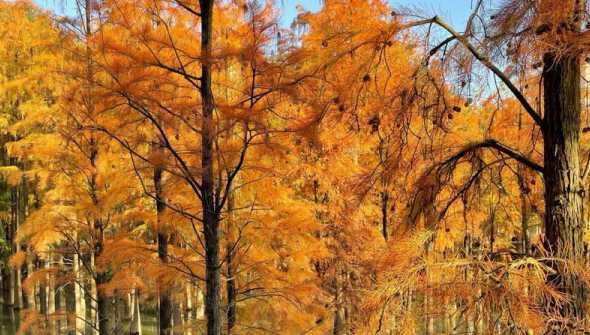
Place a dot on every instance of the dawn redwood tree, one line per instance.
(159, 75)
(549, 35)
(211, 209)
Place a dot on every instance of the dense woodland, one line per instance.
(200, 167)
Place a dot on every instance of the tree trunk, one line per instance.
(50, 292)
(188, 321)
(231, 289)
(62, 322)
(210, 215)
(231, 293)
(178, 320)
(200, 305)
(564, 226)
(102, 304)
(340, 321)
(79, 301)
(384, 208)
(17, 273)
(165, 305)
(524, 206)
(32, 294)
(213, 275)
(135, 327)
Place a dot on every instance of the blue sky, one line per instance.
(454, 11)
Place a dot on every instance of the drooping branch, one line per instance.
(502, 148)
(439, 175)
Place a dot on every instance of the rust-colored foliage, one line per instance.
(351, 174)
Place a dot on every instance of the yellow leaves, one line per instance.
(36, 114)
(17, 259)
(13, 86)
(12, 174)
(240, 113)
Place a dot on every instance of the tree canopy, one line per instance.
(197, 167)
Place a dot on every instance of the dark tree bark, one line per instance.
(165, 306)
(210, 213)
(564, 190)
(564, 226)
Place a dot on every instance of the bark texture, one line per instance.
(564, 227)
(210, 214)
(165, 305)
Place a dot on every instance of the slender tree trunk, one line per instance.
(210, 215)
(103, 302)
(200, 302)
(62, 322)
(17, 273)
(384, 208)
(524, 212)
(188, 321)
(165, 302)
(480, 316)
(564, 226)
(135, 326)
(32, 294)
(50, 292)
(13, 319)
(18, 286)
(231, 289)
(340, 321)
(524, 206)
(79, 301)
(384, 192)
(42, 297)
(429, 314)
(178, 320)
(231, 294)
(100, 302)
(8, 286)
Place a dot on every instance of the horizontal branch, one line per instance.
(512, 153)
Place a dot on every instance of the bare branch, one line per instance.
(485, 61)
(494, 144)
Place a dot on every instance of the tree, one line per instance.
(160, 92)
(528, 32)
